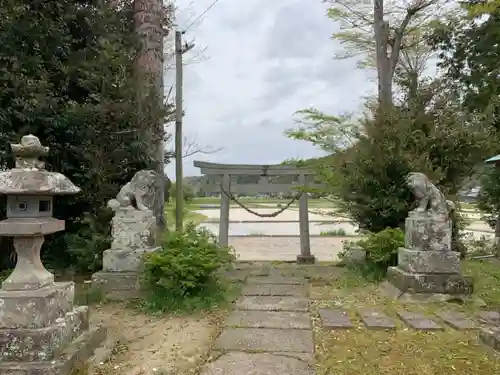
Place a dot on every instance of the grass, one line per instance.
(403, 351)
(334, 233)
(190, 214)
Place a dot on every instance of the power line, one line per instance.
(201, 15)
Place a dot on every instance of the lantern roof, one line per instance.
(29, 176)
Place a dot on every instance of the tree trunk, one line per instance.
(384, 71)
(148, 20)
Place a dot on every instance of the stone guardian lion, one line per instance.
(429, 197)
(137, 194)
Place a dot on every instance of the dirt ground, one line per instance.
(155, 345)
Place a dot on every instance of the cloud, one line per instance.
(263, 61)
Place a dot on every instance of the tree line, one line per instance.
(68, 74)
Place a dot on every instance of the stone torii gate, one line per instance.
(226, 171)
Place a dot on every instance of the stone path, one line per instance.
(377, 319)
(269, 332)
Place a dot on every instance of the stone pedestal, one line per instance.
(133, 234)
(41, 331)
(426, 266)
(427, 231)
(306, 259)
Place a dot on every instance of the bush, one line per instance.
(87, 245)
(381, 251)
(489, 196)
(458, 224)
(185, 273)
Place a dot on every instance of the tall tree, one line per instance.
(67, 76)
(152, 21)
(385, 37)
(469, 47)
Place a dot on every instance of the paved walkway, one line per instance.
(269, 333)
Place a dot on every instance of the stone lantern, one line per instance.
(41, 331)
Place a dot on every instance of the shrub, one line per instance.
(87, 245)
(381, 251)
(185, 273)
(459, 223)
(489, 195)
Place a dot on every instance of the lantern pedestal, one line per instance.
(38, 319)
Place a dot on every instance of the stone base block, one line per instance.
(306, 259)
(72, 357)
(418, 261)
(117, 285)
(36, 308)
(42, 344)
(422, 283)
(427, 231)
(124, 260)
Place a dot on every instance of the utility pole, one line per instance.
(179, 196)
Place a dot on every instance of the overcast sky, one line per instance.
(263, 60)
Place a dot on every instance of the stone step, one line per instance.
(419, 321)
(269, 319)
(291, 290)
(334, 319)
(489, 317)
(265, 340)
(273, 303)
(257, 364)
(277, 280)
(457, 320)
(375, 319)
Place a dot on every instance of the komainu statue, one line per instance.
(429, 197)
(137, 194)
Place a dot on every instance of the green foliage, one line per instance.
(429, 134)
(329, 133)
(468, 49)
(87, 245)
(459, 223)
(68, 76)
(381, 251)
(382, 247)
(185, 273)
(334, 233)
(489, 196)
